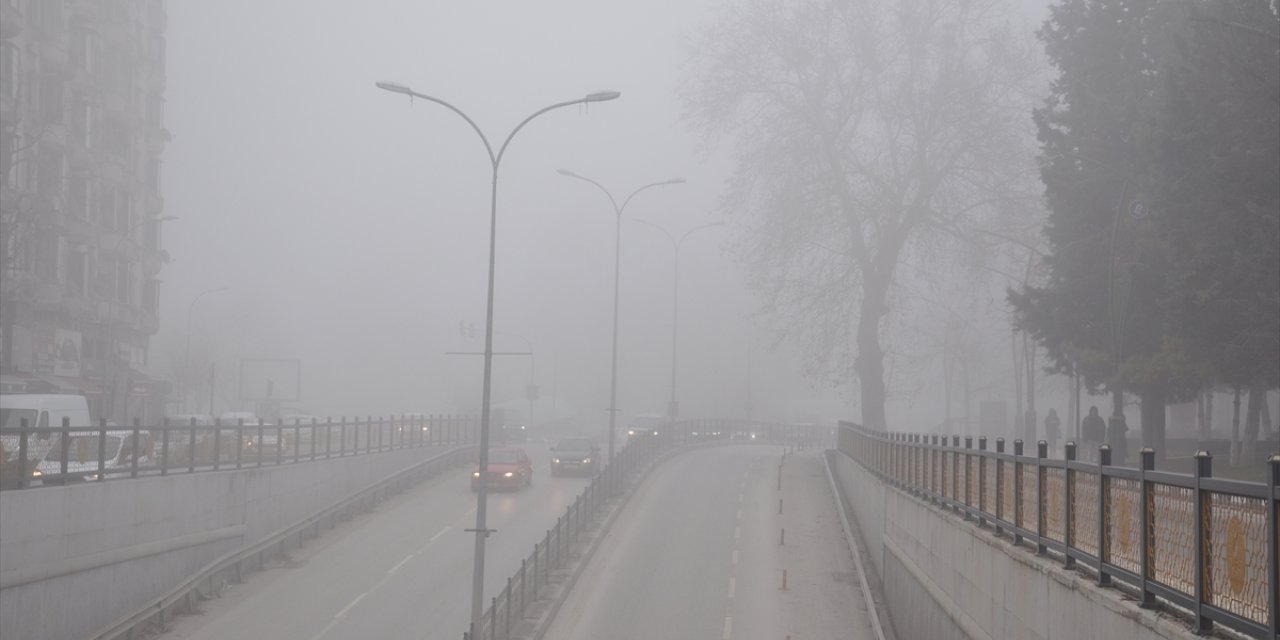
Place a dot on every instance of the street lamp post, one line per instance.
(108, 379)
(672, 407)
(495, 160)
(186, 351)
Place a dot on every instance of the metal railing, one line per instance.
(508, 608)
(43, 456)
(1205, 544)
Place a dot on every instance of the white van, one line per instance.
(39, 410)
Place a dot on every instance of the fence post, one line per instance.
(524, 584)
(1104, 518)
(65, 445)
(191, 448)
(279, 443)
(342, 440)
(968, 476)
(1204, 469)
(217, 443)
(507, 595)
(164, 449)
(982, 478)
(1068, 456)
(999, 480)
(22, 453)
(1148, 463)
(260, 431)
(102, 449)
(1273, 546)
(1042, 452)
(1018, 507)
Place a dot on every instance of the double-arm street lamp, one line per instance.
(672, 407)
(495, 160)
(617, 253)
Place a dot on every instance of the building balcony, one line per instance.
(148, 322)
(80, 156)
(152, 262)
(78, 229)
(112, 170)
(84, 11)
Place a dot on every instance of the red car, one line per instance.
(509, 468)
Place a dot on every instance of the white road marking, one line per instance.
(438, 534)
(737, 532)
(728, 627)
(733, 587)
(735, 556)
(739, 498)
(400, 564)
(739, 514)
(347, 608)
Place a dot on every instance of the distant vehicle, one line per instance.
(509, 468)
(40, 410)
(749, 436)
(272, 440)
(408, 420)
(647, 425)
(575, 456)
(517, 433)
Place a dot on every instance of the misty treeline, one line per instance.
(879, 142)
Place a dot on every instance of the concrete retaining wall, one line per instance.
(945, 578)
(75, 559)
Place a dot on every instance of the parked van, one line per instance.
(39, 410)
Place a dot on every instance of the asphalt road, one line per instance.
(401, 571)
(696, 554)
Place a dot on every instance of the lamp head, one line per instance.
(602, 96)
(566, 172)
(394, 87)
(166, 218)
(675, 181)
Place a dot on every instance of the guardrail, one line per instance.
(156, 613)
(42, 456)
(1205, 544)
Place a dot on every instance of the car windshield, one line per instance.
(502, 456)
(574, 444)
(12, 418)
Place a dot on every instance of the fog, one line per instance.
(349, 225)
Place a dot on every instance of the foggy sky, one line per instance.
(351, 226)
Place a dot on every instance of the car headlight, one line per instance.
(631, 432)
(37, 473)
(695, 433)
(475, 474)
(93, 477)
(555, 461)
(424, 429)
(586, 461)
(508, 474)
(753, 436)
(655, 432)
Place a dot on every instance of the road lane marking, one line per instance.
(735, 556)
(739, 498)
(737, 532)
(739, 514)
(438, 534)
(733, 587)
(347, 608)
(400, 564)
(728, 627)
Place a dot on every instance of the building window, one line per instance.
(124, 212)
(51, 105)
(49, 178)
(77, 272)
(10, 70)
(85, 124)
(124, 283)
(47, 257)
(80, 196)
(50, 17)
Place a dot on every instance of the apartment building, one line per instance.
(82, 87)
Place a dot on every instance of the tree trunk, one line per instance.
(1234, 458)
(1202, 422)
(870, 360)
(1266, 420)
(1153, 420)
(1257, 396)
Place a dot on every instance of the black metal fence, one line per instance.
(43, 456)
(1204, 544)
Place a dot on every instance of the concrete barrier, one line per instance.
(75, 558)
(943, 577)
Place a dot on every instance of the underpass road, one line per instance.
(696, 555)
(401, 571)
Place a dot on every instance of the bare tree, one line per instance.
(865, 130)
